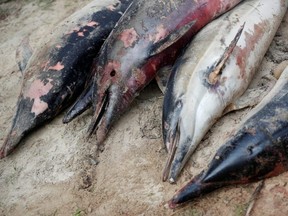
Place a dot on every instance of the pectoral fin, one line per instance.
(252, 96)
(279, 69)
(162, 77)
(171, 38)
(83, 103)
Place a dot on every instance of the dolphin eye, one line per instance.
(113, 73)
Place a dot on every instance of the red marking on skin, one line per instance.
(154, 67)
(56, 67)
(129, 37)
(111, 7)
(202, 13)
(161, 33)
(113, 65)
(80, 34)
(36, 91)
(243, 53)
(138, 78)
(106, 78)
(278, 169)
(92, 24)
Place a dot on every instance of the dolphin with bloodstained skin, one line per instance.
(150, 35)
(213, 73)
(58, 71)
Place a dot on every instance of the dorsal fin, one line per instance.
(23, 54)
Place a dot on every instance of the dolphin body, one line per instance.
(58, 70)
(150, 35)
(214, 71)
(257, 150)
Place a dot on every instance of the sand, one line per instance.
(57, 171)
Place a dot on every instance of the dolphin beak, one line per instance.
(195, 188)
(172, 141)
(170, 123)
(109, 105)
(10, 144)
(23, 122)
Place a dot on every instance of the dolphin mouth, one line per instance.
(172, 151)
(171, 134)
(103, 106)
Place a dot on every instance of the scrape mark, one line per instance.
(92, 24)
(129, 37)
(39, 106)
(35, 93)
(56, 67)
(161, 33)
(80, 34)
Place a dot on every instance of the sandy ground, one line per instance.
(57, 171)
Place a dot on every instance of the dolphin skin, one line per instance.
(258, 150)
(150, 35)
(58, 71)
(214, 71)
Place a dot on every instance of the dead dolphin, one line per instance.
(58, 70)
(258, 150)
(149, 36)
(214, 71)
